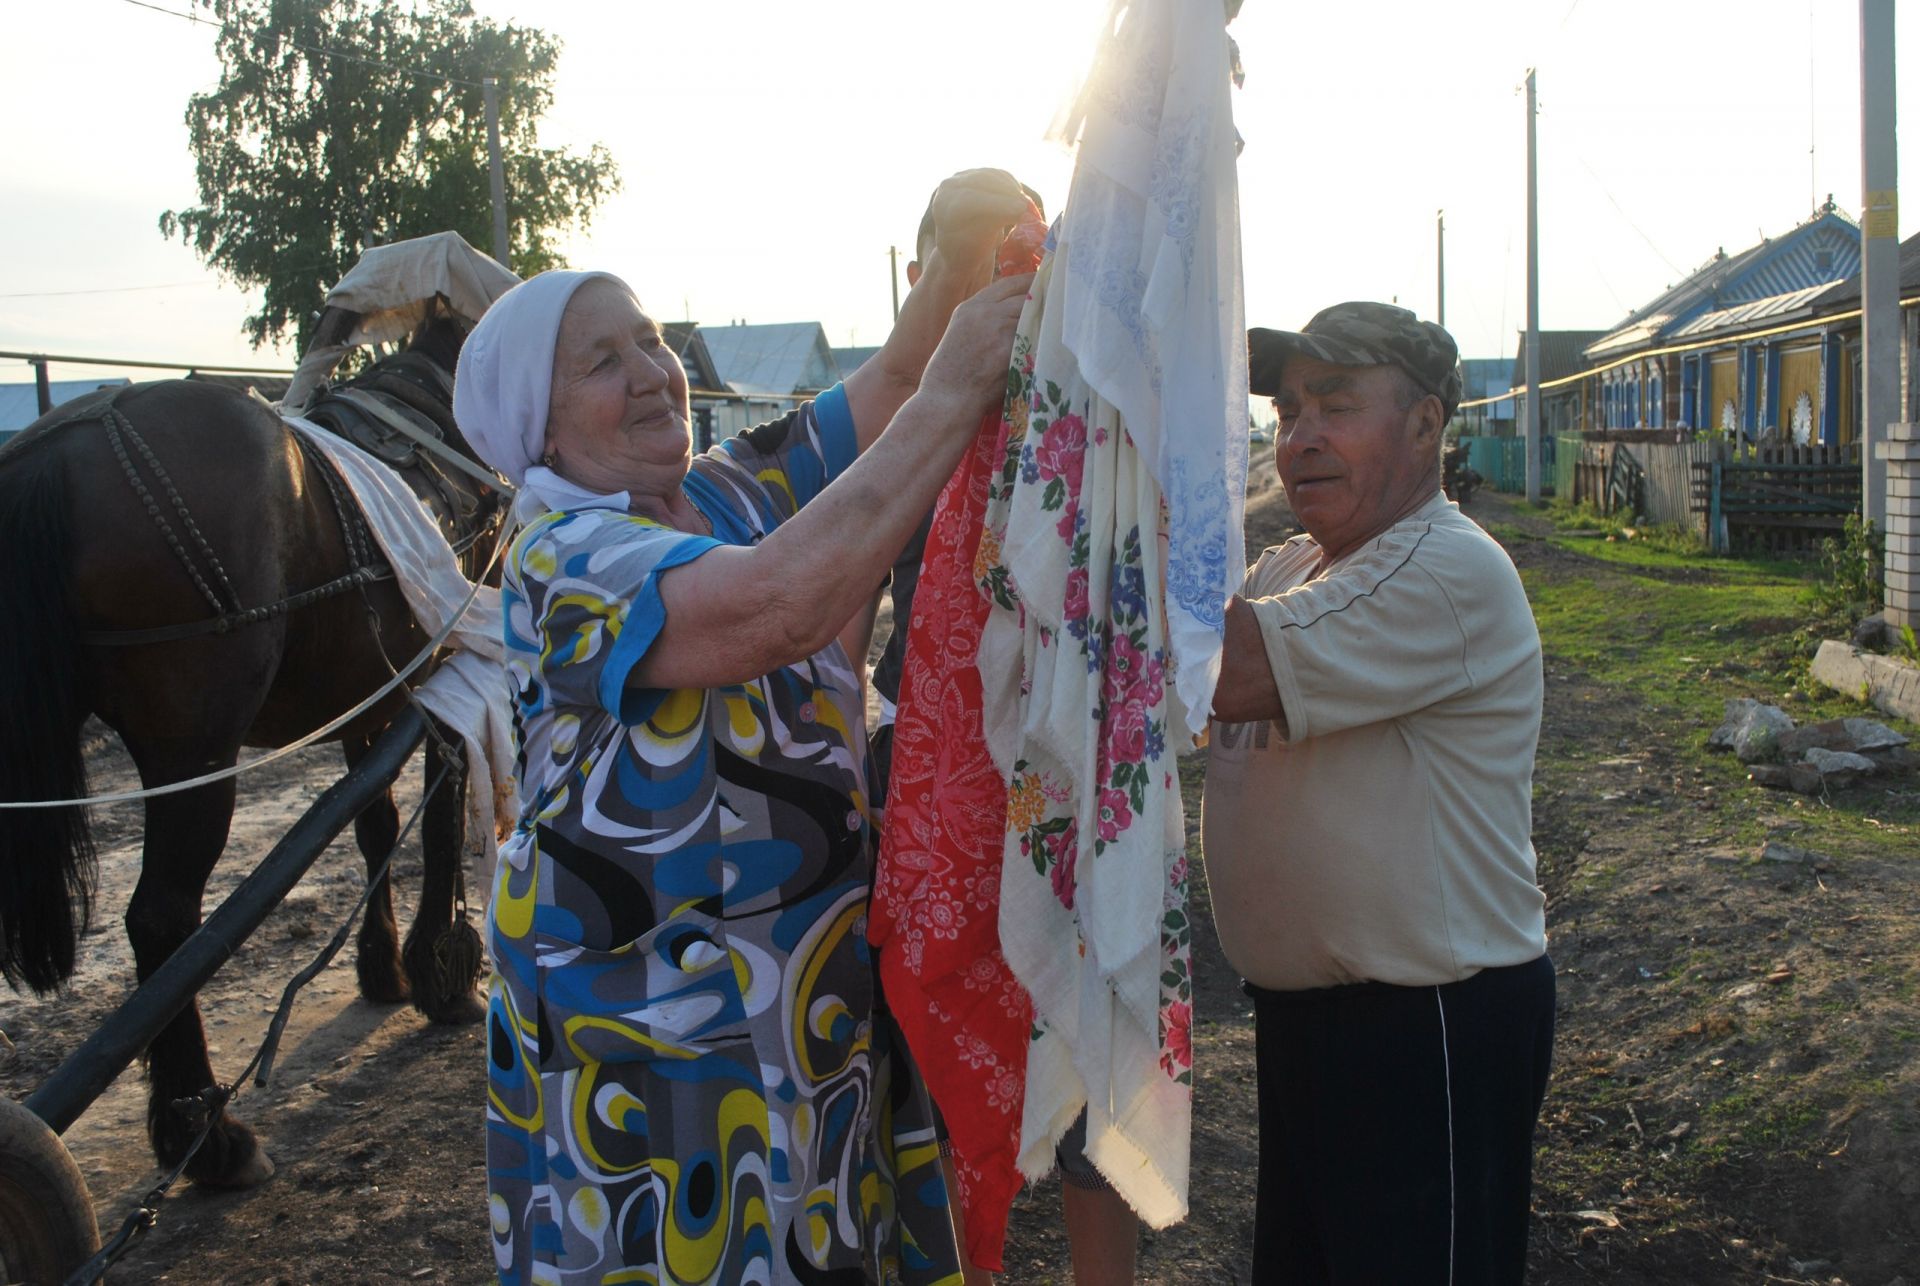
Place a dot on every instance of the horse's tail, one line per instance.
(46, 854)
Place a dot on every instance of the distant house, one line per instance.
(783, 359)
(20, 403)
(1696, 355)
(1482, 378)
(1563, 407)
(768, 368)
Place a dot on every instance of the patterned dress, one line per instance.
(685, 1081)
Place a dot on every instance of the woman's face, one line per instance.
(617, 416)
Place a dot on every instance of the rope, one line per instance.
(317, 735)
(213, 1100)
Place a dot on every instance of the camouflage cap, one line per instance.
(1360, 334)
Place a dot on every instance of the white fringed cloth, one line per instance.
(468, 689)
(1112, 541)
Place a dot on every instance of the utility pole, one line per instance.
(1533, 304)
(1440, 265)
(496, 173)
(893, 263)
(1889, 442)
(1880, 254)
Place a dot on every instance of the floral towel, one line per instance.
(1074, 670)
(935, 908)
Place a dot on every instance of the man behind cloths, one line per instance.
(1367, 830)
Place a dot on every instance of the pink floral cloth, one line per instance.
(1078, 703)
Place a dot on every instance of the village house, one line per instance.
(1761, 345)
(768, 368)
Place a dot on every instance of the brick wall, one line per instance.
(1901, 451)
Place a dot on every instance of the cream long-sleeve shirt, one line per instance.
(1387, 836)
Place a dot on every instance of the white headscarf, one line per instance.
(505, 376)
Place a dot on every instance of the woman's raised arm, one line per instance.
(738, 612)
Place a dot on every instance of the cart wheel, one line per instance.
(47, 1228)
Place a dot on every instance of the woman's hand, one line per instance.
(968, 371)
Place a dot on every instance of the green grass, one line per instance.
(1672, 632)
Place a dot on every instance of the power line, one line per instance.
(1601, 183)
(102, 290)
(323, 52)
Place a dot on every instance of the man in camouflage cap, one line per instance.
(1367, 827)
(1408, 362)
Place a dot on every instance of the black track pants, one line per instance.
(1396, 1130)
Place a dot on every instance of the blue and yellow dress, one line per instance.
(685, 1080)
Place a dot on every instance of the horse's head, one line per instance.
(439, 336)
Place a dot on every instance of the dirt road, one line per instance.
(374, 1117)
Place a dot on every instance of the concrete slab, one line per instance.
(1889, 683)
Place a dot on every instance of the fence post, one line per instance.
(42, 390)
(1716, 538)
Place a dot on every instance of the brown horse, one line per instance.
(199, 497)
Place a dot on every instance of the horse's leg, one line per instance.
(443, 949)
(376, 829)
(185, 835)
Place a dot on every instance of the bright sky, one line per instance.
(772, 152)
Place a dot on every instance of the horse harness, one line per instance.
(391, 412)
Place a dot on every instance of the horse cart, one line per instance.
(203, 573)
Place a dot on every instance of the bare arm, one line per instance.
(736, 613)
(1246, 691)
(971, 211)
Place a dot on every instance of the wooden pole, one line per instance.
(1533, 305)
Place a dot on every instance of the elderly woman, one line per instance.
(685, 1084)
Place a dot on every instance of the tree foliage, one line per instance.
(343, 124)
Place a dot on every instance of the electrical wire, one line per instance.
(320, 50)
(100, 290)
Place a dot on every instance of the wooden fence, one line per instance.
(1768, 499)
(1781, 500)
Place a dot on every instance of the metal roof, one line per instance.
(1775, 308)
(849, 360)
(20, 403)
(1823, 250)
(781, 358)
